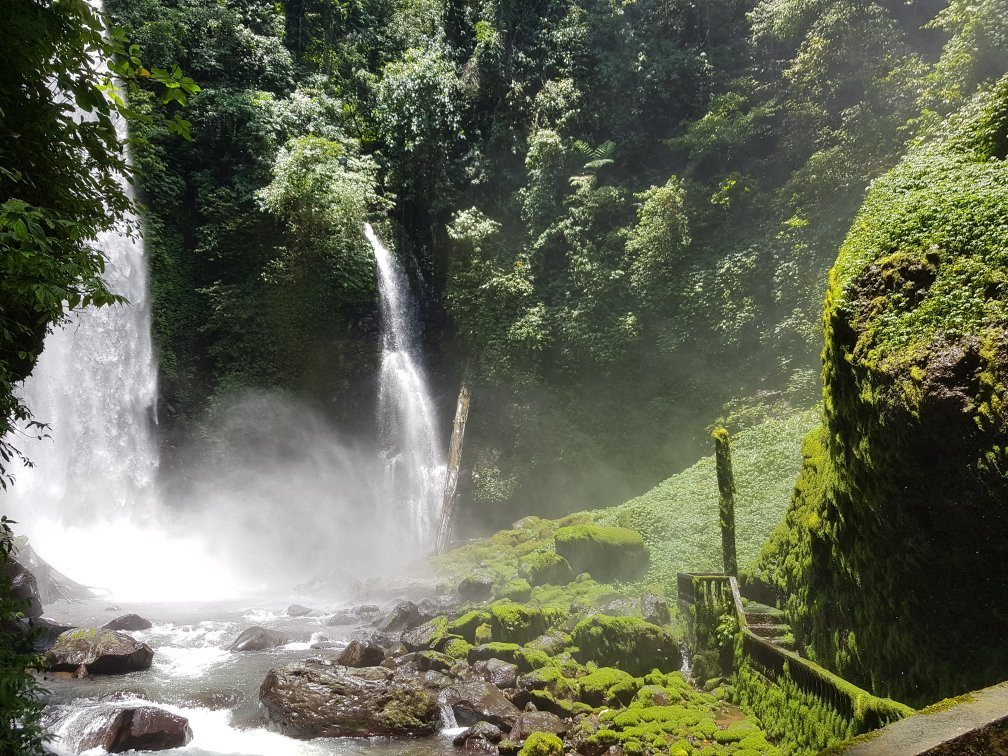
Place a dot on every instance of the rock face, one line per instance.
(313, 701)
(474, 701)
(127, 622)
(140, 728)
(405, 616)
(100, 652)
(23, 587)
(909, 471)
(296, 610)
(358, 654)
(258, 639)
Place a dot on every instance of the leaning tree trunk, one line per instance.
(451, 494)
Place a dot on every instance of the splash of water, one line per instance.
(411, 444)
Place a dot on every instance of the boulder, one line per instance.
(606, 553)
(128, 622)
(365, 610)
(627, 643)
(478, 587)
(425, 635)
(100, 652)
(404, 616)
(135, 728)
(45, 632)
(343, 618)
(537, 721)
(473, 701)
(654, 609)
(24, 588)
(296, 610)
(550, 644)
(312, 701)
(358, 654)
(482, 736)
(497, 671)
(258, 639)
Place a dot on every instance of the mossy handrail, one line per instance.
(866, 711)
(863, 709)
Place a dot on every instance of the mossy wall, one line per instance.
(895, 551)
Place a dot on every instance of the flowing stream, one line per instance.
(412, 446)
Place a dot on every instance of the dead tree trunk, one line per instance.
(451, 494)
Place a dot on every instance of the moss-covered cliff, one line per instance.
(894, 551)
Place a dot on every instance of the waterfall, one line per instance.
(89, 504)
(95, 384)
(411, 445)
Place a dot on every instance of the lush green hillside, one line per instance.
(619, 217)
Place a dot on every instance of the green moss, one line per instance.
(542, 744)
(516, 590)
(911, 460)
(409, 710)
(527, 659)
(483, 634)
(605, 552)
(546, 567)
(607, 686)
(519, 623)
(628, 642)
(465, 626)
(494, 650)
(458, 648)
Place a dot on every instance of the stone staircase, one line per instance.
(768, 622)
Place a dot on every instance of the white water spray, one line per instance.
(89, 505)
(411, 444)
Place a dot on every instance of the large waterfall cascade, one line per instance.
(411, 443)
(89, 504)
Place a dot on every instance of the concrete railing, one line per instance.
(711, 593)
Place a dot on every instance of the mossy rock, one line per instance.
(542, 744)
(901, 498)
(546, 567)
(627, 642)
(606, 553)
(512, 622)
(608, 686)
(494, 650)
(516, 590)
(465, 625)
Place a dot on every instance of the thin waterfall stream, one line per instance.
(411, 444)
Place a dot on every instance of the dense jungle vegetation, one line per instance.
(619, 216)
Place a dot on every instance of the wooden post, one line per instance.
(451, 494)
(726, 487)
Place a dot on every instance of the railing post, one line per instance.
(726, 487)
